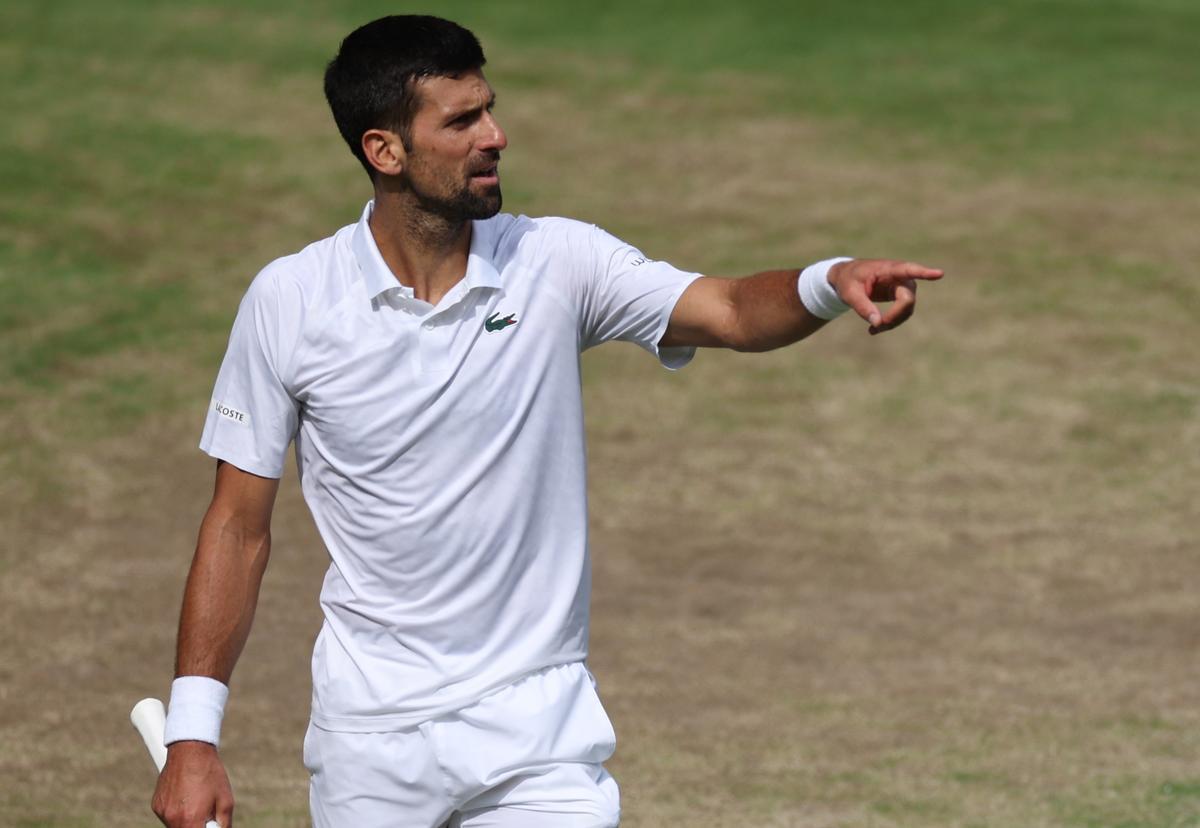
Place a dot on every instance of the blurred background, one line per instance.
(942, 577)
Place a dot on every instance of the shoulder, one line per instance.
(561, 230)
(529, 239)
(317, 273)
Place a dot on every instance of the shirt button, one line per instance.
(428, 326)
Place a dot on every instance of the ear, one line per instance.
(384, 151)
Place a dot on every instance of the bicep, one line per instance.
(705, 315)
(227, 570)
(242, 501)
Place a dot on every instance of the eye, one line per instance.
(464, 120)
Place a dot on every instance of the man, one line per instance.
(426, 363)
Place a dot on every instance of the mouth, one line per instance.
(487, 175)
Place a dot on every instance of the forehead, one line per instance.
(440, 95)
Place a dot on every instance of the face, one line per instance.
(452, 165)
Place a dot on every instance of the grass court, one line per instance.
(942, 577)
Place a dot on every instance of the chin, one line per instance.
(467, 203)
(485, 206)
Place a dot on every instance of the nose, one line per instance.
(493, 137)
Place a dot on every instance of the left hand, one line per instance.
(862, 282)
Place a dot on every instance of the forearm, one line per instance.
(778, 307)
(218, 608)
(767, 312)
(220, 596)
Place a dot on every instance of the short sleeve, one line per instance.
(630, 297)
(252, 416)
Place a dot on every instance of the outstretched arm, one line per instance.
(218, 608)
(764, 311)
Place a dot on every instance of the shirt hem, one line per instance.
(253, 467)
(675, 357)
(388, 722)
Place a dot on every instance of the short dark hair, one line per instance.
(371, 82)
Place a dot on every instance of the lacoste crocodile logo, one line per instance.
(493, 323)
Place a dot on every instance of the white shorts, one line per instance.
(526, 755)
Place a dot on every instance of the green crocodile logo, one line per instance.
(493, 323)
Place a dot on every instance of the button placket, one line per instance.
(436, 335)
(432, 345)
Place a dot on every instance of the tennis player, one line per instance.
(424, 362)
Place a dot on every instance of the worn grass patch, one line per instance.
(1128, 803)
(940, 577)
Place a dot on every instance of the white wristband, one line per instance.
(817, 294)
(196, 708)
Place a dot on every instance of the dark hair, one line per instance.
(371, 82)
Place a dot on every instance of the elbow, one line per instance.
(738, 338)
(741, 346)
(734, 333)
(737, 331)
(753, 348)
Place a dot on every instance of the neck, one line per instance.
(425, 252)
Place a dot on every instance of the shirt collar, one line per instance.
(378, 277)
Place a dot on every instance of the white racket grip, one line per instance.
(150, 718)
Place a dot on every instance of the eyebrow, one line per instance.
(454, 115)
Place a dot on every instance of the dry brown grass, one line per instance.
(940, 577)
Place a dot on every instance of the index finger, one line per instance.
(911, 270)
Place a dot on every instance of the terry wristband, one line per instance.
(817, 294)
(195, 712)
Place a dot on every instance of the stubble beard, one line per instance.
(462, 205)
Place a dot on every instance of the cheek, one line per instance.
(435, 175)
(444, 159)
(446, 143)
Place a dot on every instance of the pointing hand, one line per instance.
(862, 282)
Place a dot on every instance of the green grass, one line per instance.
(89, 166)
(1128, 804)
(1033, 432)
(1018, 85)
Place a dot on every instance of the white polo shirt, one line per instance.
(440, 449)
